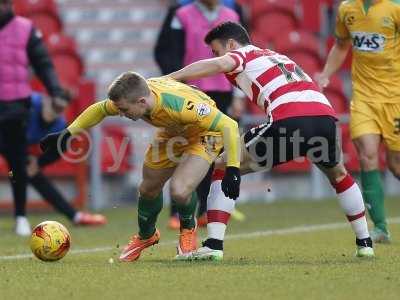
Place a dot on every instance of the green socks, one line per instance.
(187, 212)
(148, 210)
(373, 195)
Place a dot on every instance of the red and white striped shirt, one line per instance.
(277, 84)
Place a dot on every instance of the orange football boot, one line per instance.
(88, 219)
(132, 251)
(187, 242)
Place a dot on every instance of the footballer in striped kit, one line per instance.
(300, 122)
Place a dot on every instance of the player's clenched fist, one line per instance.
(55, 141)
(231, 183)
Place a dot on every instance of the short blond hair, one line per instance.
(128, 85)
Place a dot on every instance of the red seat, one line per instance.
(260, 40)
(311, 11)
(336, 83)
(46, 23)
(287, 7)
(347, 63)
(297, 40)
(115, 137)
(60, 43)
(309, 63)
(337, 100)
(84, 95)
(266, 25)
(30, 7)
(350, 156)
(69, 68)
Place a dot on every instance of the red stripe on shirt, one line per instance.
(242, 56)
(302, 109)
(254, 54)
(232, 78)
(237, 62)
(269, 75)
(297, 86)
(256, 92)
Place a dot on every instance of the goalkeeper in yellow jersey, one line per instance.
(192, 132)
(371, 29)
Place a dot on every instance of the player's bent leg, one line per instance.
(219, 210)
(352, 204)
(149, 206)
(368, 151)
(183, 184)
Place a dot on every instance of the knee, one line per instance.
(149, 191)
(337, 173)
(369, 159)
(180, 192)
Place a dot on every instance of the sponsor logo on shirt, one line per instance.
(368, 42)
(350, 20)
(203, 109)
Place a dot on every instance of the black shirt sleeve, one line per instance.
(42, 65)
(170, 45)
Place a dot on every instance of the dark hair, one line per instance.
(228, 30)
(128, 85)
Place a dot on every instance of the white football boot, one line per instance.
(206, 253)
(364, 248)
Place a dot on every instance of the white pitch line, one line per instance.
(239, 236)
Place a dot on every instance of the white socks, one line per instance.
(219, 208)
(351, 201)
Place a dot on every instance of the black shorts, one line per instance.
(314, 137)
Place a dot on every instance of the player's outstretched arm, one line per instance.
(205, 68)
(90, 117)
(336, 57)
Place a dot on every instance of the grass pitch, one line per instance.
(285, 250)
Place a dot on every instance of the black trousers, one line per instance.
(13, 148)
(50, 193)
(223, 101)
